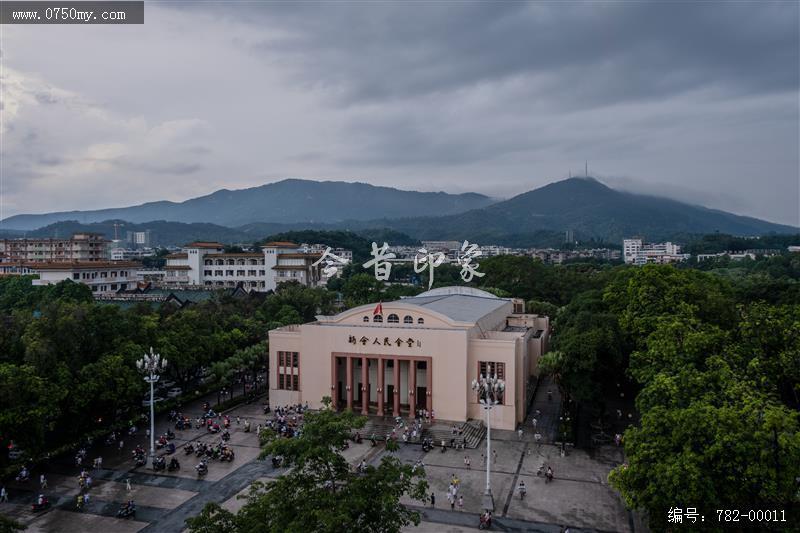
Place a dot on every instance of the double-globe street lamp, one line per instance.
(490, 390)
(152, 365)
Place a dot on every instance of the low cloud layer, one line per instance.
(698, 101)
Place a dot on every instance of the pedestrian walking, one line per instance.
(88, 482)
(467, 462)
(549, 396)
(42, 482)
(128, 484)
(519, 433)
(494, 457)
(121, 445)
(534, 422)
(433, 416)
(433, 499)
(452, 502)
(461, 503)
(238, 420)
(3, 494)
(483, 459)
(147, 433)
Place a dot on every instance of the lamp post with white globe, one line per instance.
(151, 365)
(490, 390)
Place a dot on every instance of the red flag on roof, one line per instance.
(378, 309)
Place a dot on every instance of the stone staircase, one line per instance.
(473, 432)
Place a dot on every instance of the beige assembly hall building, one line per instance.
(421, 352)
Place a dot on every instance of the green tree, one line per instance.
(320, 492)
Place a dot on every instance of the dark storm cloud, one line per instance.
(593, 53)
(494, 97)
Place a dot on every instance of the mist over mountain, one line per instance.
(590, 209)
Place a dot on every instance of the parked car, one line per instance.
(146, 401)
(174, 392)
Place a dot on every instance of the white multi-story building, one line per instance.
(630, 249)
(102, 277)
(205, 264)
(638, 253)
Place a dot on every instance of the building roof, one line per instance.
(202, 244)
(177, 267)
(242, 254)
(280, 244)
(81, 265)
(179, 255)
(458, 307)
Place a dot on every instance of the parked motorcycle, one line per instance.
(128, 510)
(41, 504)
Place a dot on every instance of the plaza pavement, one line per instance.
(579, 497)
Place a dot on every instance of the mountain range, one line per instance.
(586, 206)
(286, 201)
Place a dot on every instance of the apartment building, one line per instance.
(82, 247)
(636, 252)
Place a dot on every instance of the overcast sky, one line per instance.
(698, 101)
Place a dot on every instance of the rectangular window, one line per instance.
(288, 371)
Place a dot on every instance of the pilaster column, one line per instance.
(349, 364)
(364, 386)
(396, 387)
(412, 385)
(334, 384)
(381, 385)
(429, 385)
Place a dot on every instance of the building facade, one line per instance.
(205, 264)
(102, 277)
(414, 353)
(634, 251)
(83, 247)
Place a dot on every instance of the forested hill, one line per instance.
(287, 201)
(589, 208)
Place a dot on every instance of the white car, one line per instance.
(146, 401)
(174, 392)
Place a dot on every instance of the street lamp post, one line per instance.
(489, 389)
(151, 365)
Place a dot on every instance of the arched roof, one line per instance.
(457, 290)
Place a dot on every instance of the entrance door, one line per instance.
(422, 394)
(340, 394)
(390, 396)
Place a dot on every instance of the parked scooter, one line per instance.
(128, 510)
(41, 503)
